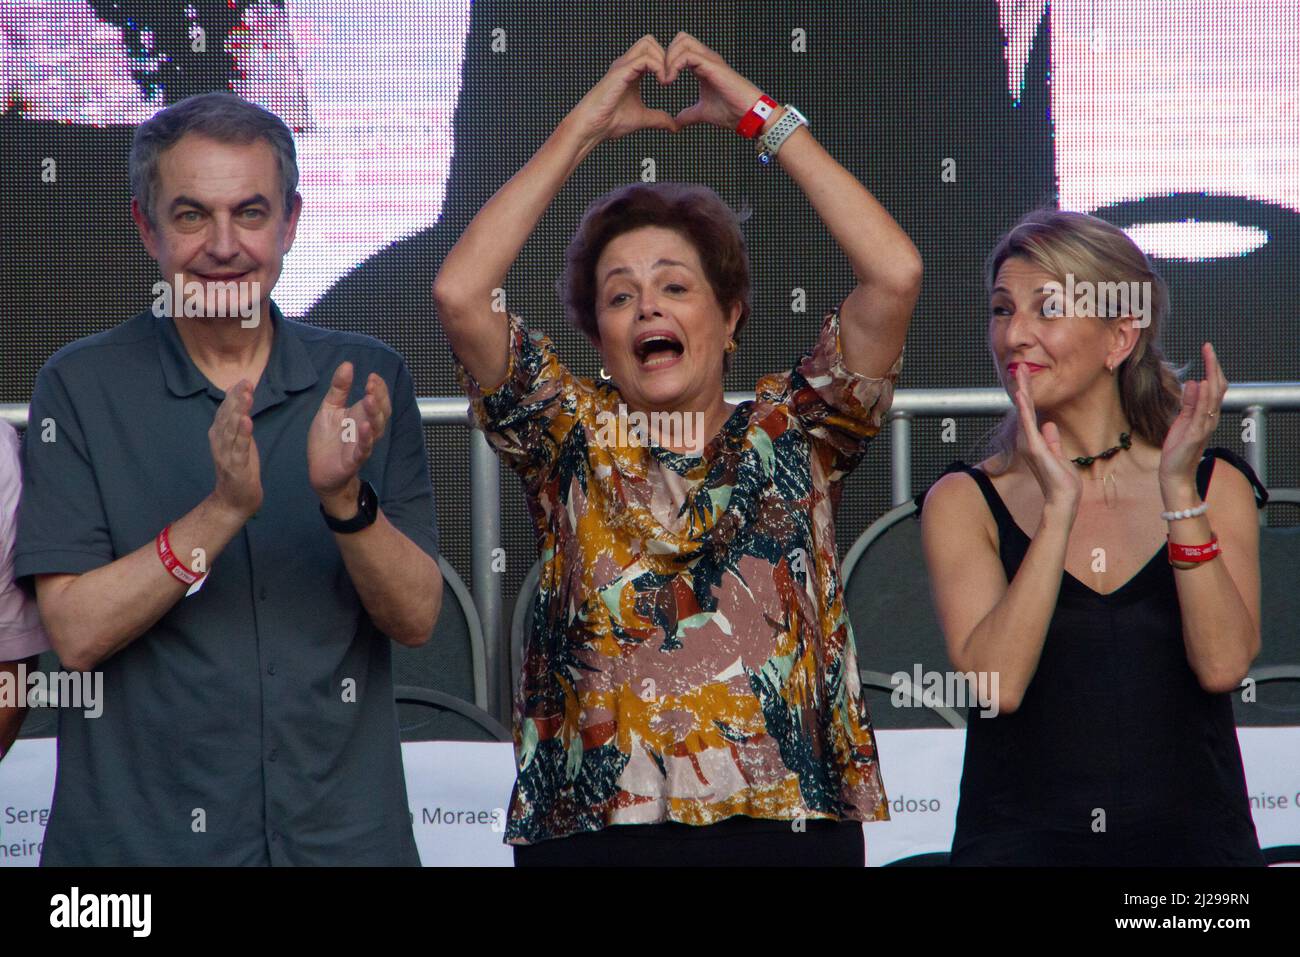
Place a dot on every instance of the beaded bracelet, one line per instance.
(1185, 512)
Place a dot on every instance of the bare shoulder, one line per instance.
(955, 505)
(1229, 491)
(1228, 481)
(949, 491)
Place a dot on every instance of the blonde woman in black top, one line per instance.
(1068, 566)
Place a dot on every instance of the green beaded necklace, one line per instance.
(1086, 460)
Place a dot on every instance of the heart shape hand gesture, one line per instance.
(614, 108)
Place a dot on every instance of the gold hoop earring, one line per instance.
(603, 374)
(731, 345)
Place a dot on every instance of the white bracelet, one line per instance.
(1186, 512)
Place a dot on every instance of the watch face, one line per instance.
(368, 502)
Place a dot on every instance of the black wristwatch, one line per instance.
(367, 512)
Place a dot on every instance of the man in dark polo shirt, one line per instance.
(230, 516)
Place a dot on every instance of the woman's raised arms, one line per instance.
(469, 308)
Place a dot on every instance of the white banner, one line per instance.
(458, 793)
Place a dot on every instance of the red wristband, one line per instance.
(174, 564)
(1194, 554)
(753, 121)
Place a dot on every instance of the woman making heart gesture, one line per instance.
(690, 689)
(1116, 631)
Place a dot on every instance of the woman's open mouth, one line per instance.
(657, 350)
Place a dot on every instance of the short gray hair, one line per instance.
(220, 116)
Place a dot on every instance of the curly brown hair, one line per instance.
(696, 212)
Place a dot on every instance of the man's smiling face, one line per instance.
(219, 215)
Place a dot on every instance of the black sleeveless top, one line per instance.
(1116, 755)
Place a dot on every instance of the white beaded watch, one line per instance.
(770, 142)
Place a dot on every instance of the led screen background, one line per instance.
(1176, 120)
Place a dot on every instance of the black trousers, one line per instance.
(735, 842)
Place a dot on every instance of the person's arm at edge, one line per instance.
(11, 718)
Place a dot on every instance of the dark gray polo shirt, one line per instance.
(255, 722)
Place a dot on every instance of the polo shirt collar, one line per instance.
(289, 368)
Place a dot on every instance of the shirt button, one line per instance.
(270, 669)
(273, 754)
(262, 593)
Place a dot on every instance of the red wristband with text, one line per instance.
(173, 564)
(753, 121)
(1194, 554)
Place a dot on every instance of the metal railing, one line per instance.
(1254, 399)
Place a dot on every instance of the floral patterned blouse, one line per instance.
(690, 657)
